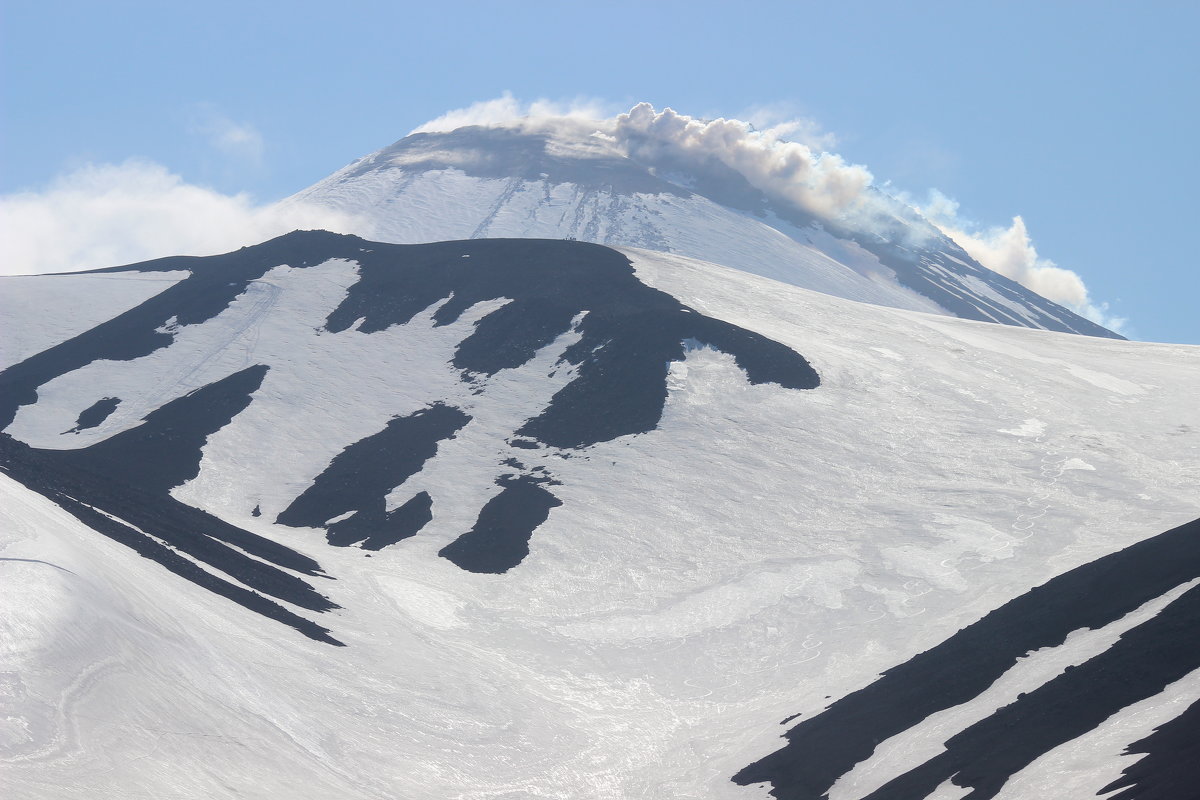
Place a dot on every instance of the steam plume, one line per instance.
(820, 183)
(1010, 251)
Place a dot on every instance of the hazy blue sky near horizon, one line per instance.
(1080, 117)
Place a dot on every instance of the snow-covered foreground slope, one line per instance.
(578, 180)
(583, 534)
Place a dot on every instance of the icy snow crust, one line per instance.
(760, 553)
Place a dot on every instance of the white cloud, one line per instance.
(239, 140)
(1010, 251)
(109, 214)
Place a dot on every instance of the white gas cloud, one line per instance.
(781, 121)
(818, 182)
(109, 214)
(799, 173)
(789, 160)
(508, 110)
(1010, 251)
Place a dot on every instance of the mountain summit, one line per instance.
(716, 191)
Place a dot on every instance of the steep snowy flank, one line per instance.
(509, 518)
(117, 461)
(576, 180)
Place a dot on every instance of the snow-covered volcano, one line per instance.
(775, 210)
(326, 518)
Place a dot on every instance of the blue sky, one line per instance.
(1080, 117)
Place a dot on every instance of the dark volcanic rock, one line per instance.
(499, 540)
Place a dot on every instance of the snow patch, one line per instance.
(1028, 428)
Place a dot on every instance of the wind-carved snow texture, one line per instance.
(620, 337)
(1144, 660)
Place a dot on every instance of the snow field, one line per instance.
(762, 551)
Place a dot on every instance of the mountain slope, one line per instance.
(587, 523)
(574, 180)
